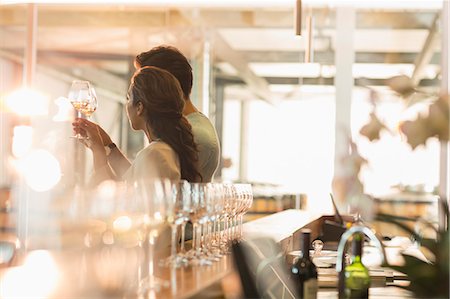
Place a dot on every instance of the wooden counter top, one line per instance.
(279, 226)
(190, 282)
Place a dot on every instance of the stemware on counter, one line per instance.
(155, 215)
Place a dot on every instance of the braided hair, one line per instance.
(162, 98)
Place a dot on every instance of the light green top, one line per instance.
(208, 144)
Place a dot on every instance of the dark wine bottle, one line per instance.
(303, 271)
(357, 278)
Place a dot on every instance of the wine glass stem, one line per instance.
(151, 248)
(173, 241)
(215, 229)
(183, 235)
(241, 220)
(197, 232)
(208, 236)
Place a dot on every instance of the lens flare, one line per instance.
(65, 110)
(22, 140)
(41, 170)
(37, 285)
(122, 224)
(27, 102)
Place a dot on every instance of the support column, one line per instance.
(29, 66)
(243, 151)
(343, 82)
(206, 77)
(22, 192)
(219, 96)
(201, 68)
(444, 165)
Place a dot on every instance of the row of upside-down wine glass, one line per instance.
(216, 211)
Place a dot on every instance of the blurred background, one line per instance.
(276, 101)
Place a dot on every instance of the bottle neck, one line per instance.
(356, 259)
(305, 245)
(357, 246)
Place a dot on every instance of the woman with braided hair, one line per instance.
(154, 105)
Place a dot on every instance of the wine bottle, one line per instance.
(303, 271)
(357, 278)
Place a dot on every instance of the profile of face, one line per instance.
(153, 94)
(134, 111)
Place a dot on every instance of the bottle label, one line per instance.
(310, 289)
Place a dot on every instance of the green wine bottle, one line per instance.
(303, 271)
(357, 278)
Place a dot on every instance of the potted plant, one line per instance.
(428, 278)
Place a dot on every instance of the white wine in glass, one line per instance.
(83, 98)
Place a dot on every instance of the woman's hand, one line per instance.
(92, 132)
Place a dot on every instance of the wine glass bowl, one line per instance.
(83, 98)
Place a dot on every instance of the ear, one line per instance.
(139, 108)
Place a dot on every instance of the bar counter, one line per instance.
(220, 279)
(210, 281)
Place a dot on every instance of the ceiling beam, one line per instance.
(330, 81)
(102, 16)
(223, 52)
(112, 86)
(429, 47)
(327, 57)
(324, 18)
(231, 80)
(98, 17)
(251, 56)
(257, 85)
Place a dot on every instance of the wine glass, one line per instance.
(155, 199)
(246, 195)
(83, 98)
(218, 218)
(111, 227)
(180, 190)
(198, 216)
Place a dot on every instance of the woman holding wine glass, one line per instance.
(154, 105)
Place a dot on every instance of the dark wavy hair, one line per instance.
(172, 60)
(162, 99)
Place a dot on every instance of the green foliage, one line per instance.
(428, 279)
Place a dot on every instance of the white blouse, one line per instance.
(157, 160)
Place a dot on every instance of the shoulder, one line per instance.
(198, 118)
(157, 159)
(203, 130)
(157, 149)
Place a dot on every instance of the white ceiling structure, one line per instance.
(252, 42)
